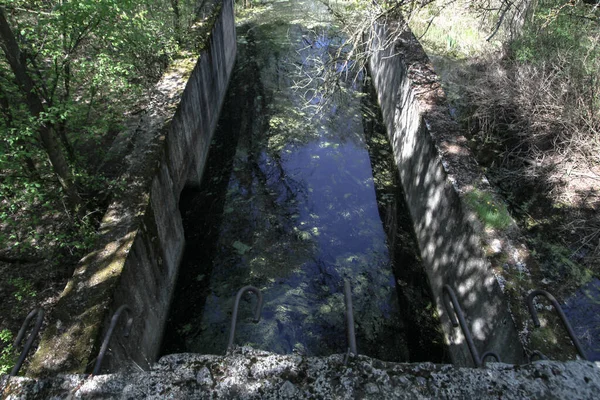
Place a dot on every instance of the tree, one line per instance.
(17, 60)
(71, 71)
(78, 65)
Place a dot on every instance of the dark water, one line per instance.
(583, 311)
(289, 204)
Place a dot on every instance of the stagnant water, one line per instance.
(289, 204)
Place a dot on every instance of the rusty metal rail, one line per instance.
(236, 306)
(36, 328)
(350, 319)
(456, 311)
(561, 314)
(109, 333)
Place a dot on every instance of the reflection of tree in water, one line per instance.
(264, 237)
(299, 214)
(257, 238)
(262, 203)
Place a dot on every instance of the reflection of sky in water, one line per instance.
(300, 216)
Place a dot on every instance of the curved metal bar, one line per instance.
(236, 305)
(537, 353)
(111, 328)
(561, 314)
(448, 292)
(350, 318)
(36, 328)
(489, 354)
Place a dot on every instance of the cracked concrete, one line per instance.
(246, 373)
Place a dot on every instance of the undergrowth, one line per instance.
(7, 356)
(531, 109)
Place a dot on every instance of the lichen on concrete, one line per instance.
(246, 373)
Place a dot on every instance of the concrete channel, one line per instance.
(142, 239)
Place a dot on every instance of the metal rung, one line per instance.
(536, 354)
(561, 314)
(36, 328)
(349, 320)
(236, 306)
(111, 328)
(448, 292)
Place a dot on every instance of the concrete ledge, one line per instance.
(254, 374)
(437, 171)
(141, 237)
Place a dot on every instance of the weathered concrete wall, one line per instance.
(141, 236)
(436, 169)
(255, 374)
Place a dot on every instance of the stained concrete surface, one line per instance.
(253, 374)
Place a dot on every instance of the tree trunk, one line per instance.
(62, 124)
(176, 20)
(17, 61)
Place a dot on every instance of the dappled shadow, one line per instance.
(297, 215)
(551, 192)
(553, 197)
(436, 168)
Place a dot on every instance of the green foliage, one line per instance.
(90, 59)
(564, 41)
(557, 31)
(24, 288)
(7, 355)
(490, 211)
(557, 263)
(91, 62)
(450, 29)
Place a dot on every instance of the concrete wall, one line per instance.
(436, 169)
(151, 268)
(248, 373)
(141, 237)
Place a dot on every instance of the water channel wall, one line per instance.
(141, 236)
(437, 169)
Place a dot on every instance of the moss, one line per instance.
(200, 33)
(69, 351)
(491, 211)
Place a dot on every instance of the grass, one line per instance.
(491, 212)
(454, 32)
(7, 355)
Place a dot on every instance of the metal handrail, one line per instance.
(350, 318)
(538, 354)
(111, 328)
(448, 292)
(561, 314)
(36, 328)
(489, 354)
(236, 306)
